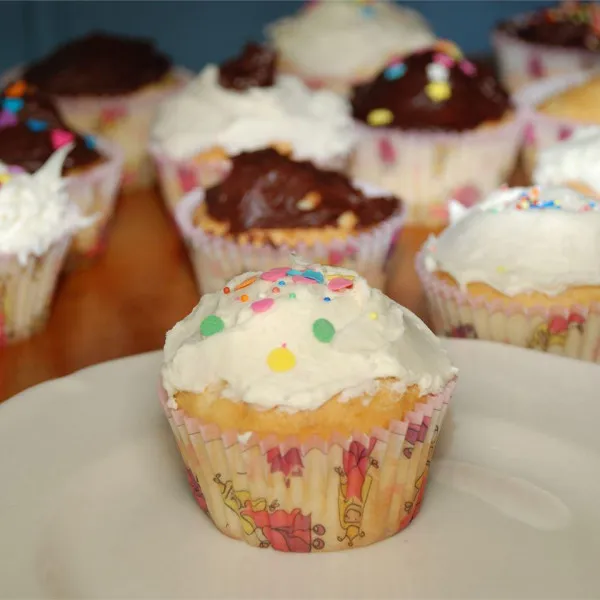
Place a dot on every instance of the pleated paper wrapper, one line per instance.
(26, 291)
(521, 63)
(217, 259)
(319, 495)
(565, 331)
(425, 169)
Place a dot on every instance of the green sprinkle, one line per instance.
(292, 295)
(323, 330)
(211, 325)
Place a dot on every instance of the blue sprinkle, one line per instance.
(395, 71)
(327, 299)
(314, 275)
(368, 11)
(90, 141)
(13, 105)
(282, 282)
(292, 272)
(37, 125)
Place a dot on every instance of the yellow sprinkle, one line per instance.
(438, 91)
(380, 117)
(373, 315)
(501, 269)
(281, 360)
(336, 275)
(4, 177)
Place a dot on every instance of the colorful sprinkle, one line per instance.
(438, 91)
(380, 117)
(244, 298)
(340, 283)
(37, 124)
(281, 360)
(16, 90)
(327, 299)
(323, 330)
(292, 295)
(373, 315)
(302, 279)
(443, 61)
(292, 272)
(7, 118)
(4, 177)
(211, 325)
(90, 141)
(260, 306)
(226, 290)
(274, 274)
(13, 105)
(245, 283)
(276, 290)
(315, 275)
(395, 71)
(60, 138)
(282, 282)
(468, 68)
(501, 269)
(437, 72)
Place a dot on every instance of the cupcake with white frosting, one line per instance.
(337, 45)
(522, 268)
(37, 221)
(306, 406)
(243, 106)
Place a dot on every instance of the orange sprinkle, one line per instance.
(276, 290)
(226, 290)
(245, 283)
(244, 297)
(16, 90)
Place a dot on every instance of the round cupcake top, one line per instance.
(99, 64)
(520, 240)
(577, 103)
(434, 89)
(266, 190)
(35, 210)
(570, 25)
(348, 39)
(572, 161)
(293, 337)
(241, 107)
(32, 129)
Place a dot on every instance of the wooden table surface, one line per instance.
(125, 302)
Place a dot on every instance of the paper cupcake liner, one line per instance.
(178, 177)
(521, 63)
(216, 260)
(26, 291)
(319, 495)
(95, 192)
(540, 130)
(425, 169)
(572, 331)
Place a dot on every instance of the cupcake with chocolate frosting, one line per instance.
(109, 85)
(269, 205)
(549, 42)
(432, 126)
(32, 129)
(239, 106)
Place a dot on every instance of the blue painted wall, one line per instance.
(195, 33)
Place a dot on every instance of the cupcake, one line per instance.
(523, 268)
(434, 126)
(574, 162)
(547, 43)
(37, 220)
(306, 406)
(269, 205)
(242, 106)
(32, 129)
(341, 44)
(110, 85)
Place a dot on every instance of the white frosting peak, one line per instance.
(522, 240)
(317, 125)
(35, 210)
(294, 337)
(346, 39)
(576, 159)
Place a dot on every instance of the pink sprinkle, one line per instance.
(468, 68)
(339, 283)
(387, 152)
(263, 305)
(60, 137)
(274, 274)
(443, 59)
(301, 279)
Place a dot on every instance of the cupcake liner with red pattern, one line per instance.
(216, 259)
(540, 130)
(425, 169)
(521, 63)
(26, 291)
(566, 331)
(316, 495)
(95, 191)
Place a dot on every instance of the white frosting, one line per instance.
(344, 39)
(317, 125)
(521, 250)
(574, 160)
(374, 337)
(35, 210)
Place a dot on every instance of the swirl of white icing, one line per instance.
(317, 125)
(574, 160)
(521, 240)
(35, 210)
(294, 337)
(345, 39)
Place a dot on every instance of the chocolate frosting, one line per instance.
(475, 96)
(99, 65)
(26, 146)
(266, 190)
(255, 67)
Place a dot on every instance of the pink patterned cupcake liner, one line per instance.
(317, 495)
(216, 259)
(567, 331)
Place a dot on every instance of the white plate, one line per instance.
(94, 501)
